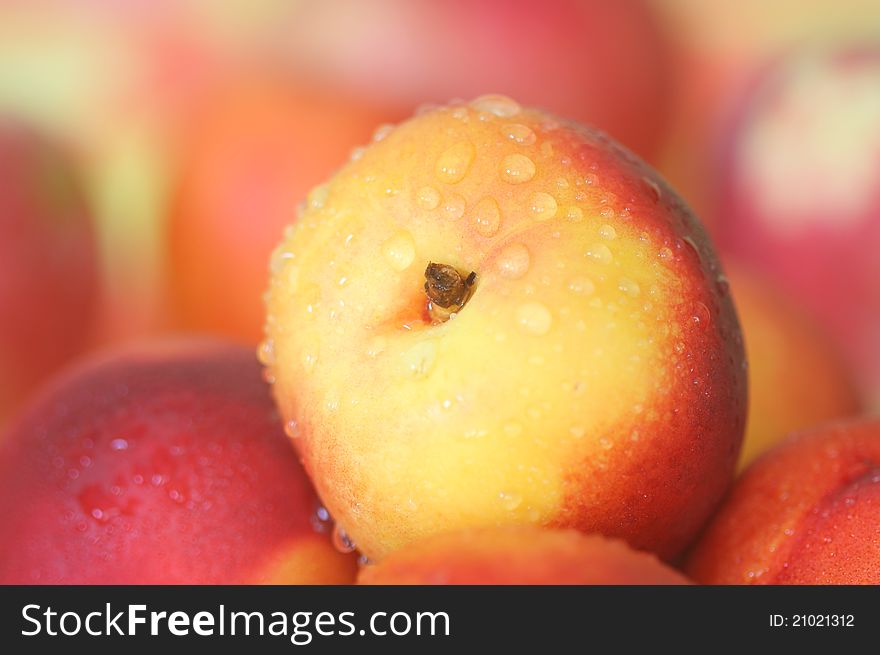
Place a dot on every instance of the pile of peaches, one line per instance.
(495, 346)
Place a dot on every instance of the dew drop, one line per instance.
(428, 197)
(510, 501)
(399, 250)
(497, 104)
(266, 352)
(318, 196)
(575, 214)
(702, 317)
(583, 286)
(542, 205)
(519, 134)
(454, 163)
(487, 217)
(291, 429)
(601, 253)
(608, 232)
(577, 431)
(629, 287)
(513, 262)
(119, 444)
(341, 541)
(382, 131)
(453, 207)
(309, 360)
(516, 169)
(534, 318)
(419, 359)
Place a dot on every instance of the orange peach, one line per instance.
(519, 555)
(796, 377)
(159, 465)
(48, 262)
(807, 512)
(250, 156)
(496, 317)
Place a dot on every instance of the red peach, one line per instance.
(48, 267)
(602, 63)
(254, 152)
(519, 555)
(162, 465)
(800, 197)
(808, 512)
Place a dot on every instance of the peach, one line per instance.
(800, 193)
(159, 465)
(495, 317)
(797, 378)
(519, 555)
(48, 262)
(604, 63)
(807, 512)
(251, 155)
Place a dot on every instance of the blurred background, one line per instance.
(151, 152)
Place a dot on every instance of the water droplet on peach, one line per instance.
(453, 207)
(382, 131)
(419, 359)
(517, 168)
(519, 134)
(601, 253)
(499, 105)
(487, 217)
(583, 286)
(575, 214)
(542, 205)
(629, 287)
(266, 352)
(399, 250)
(341, 541)
(455, 162)
(513, 262)
(608, 232)
(428, 197)
(510, 501)
(534, 318)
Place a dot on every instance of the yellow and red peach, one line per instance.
(252, 153)
(519, 555)
(807, 512)
(799, 195)
(797, 378)
(48, 262)
(603, 63)
(593, 378)
(161, 465)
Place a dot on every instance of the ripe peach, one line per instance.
(800, 193)
(48, 263)
(162, 465)
(808, 512)
(519, 555)
(251, 156)
(603, 63)
(797, 379)
(574, 362)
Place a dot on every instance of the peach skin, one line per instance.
(495, 317)
(519, 555)
(163, 464)
(807, 512)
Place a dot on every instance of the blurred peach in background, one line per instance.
(195, 128)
